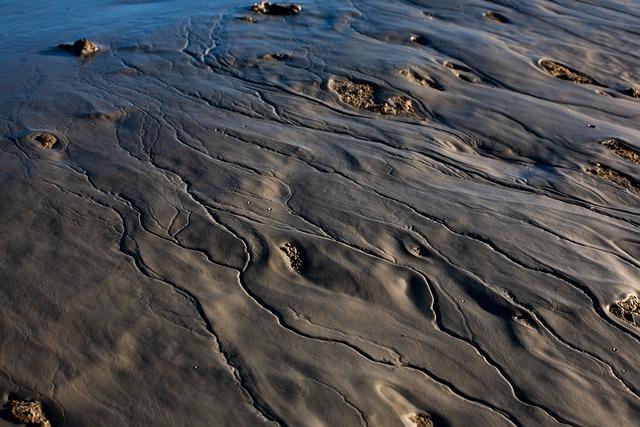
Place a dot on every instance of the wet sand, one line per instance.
(361, 213)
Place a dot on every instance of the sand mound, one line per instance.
(622, 149)
(627, 310)
(564, 72)
(267, 8)
(29, 412)
(362, 97)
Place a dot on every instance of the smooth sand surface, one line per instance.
(222, 235)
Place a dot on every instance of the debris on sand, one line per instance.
(614, 176)
(82, 47)
(266, 8)
(29, 412)
(421, 420)
(46, 140)
(496, 17)
(418, 79)
(295, 258)
(627, 310)
(566, 73)
(622, 149)
(362, 96)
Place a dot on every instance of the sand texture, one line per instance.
(357, 213)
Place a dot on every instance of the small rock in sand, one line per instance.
(266, 8)
(46, 140)
(29, 412)
(82, 47)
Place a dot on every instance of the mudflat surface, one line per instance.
(220, 234)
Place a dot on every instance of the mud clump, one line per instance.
(421, 420)
(293, 254)
(419, 80)
(46, 140)
(457, 67)
(397, 105)
(29, 412)
(276, 57)
(614, 176)
(357, 95)
(633, 92)
(82, 47)
(266, 8)
(563, 72)
(627, 310)
(496, 17)
(622, 149)
(362, 97)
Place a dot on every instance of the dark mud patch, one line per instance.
(45, 139)
(82, 47)
(421, 420)
(276, 9)
(29, 412)
(294, 256)
(362, 96)
(564, 72)
(615, 177)
(622, 149)
(496, 17)
(627, 310)
(420, 79)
